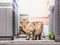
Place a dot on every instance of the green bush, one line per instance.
(51, 36)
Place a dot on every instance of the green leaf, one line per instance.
(51, 35)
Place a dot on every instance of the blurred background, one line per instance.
(32, 10)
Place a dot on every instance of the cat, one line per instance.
(31, 29)
(38, 30)
(34, 29)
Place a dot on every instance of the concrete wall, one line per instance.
(57, 20)
(6, 20)
(54, 21)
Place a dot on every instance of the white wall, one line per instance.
(33, 7)
(9, 1)
(23, 6)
